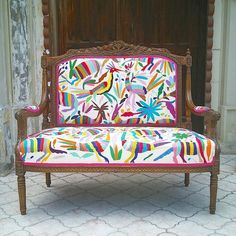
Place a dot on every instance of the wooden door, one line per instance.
(172, 24)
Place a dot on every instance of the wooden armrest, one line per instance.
(211, 117)
(206, 112)
(22, 115)
(29, 111)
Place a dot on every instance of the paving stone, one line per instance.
(223, 175)
(117, 234)
(160, 200)
(74, 178)
(19, 233)
(157, 185)
(230, 178)
(106, 178)
(57, 182)
(155, 175)
(91, 175)
(182, 209)
(66, 191)
(2, 214)
(94, 228)
(99, 208)
(34, 215)
(4, 188)
(35, 190)
(186, 228)
(209, 221)
(227, 168)
(172, 179)
(104, 191)
(89, 184)
(142, 228)
(68, 233)
(8, 197)
(164, 219)
(177, 192)
(139, 192)
(12, 208)
(44, 198)
(167, 234)
(229, 229)
(8, 226)
(139, 178)
(75, 218)
(9, 178)
(123, 184)
(227, 186)
(226, 210)
(195, 186)
(140, 208)
(39, 179)
(119, 218)
(121, 199)
(217, 234)
(230, 199)
(47, 227)
(220, 193)
(124, 175)
(58, 207)
(82, 199)
(198, 200)
(202, 178)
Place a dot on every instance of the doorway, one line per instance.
(172, 24)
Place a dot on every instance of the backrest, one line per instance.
(117, 84)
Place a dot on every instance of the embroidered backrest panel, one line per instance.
(117, 90)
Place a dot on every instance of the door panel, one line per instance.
(172, 24)
(85, 23)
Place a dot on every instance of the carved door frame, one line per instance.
(50, 41)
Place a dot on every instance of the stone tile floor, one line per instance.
(120, 204)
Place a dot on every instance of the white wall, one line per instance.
(6, 147)
(21, 47)
(224, 77)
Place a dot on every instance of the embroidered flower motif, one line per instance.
(149, 111)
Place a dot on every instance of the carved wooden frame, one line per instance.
(48, 100)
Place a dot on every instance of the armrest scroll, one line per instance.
(206, 112)
(22, 115)
(210, 117)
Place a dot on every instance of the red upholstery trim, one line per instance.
(118, 164)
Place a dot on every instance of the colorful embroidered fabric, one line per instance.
(201, 109)
(130, 90)
(120, 145)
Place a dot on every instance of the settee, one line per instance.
(117, 108)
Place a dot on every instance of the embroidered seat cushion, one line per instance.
(117, 146)
(117, 90)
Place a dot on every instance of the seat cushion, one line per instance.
(117, 146)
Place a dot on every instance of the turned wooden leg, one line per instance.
(213, 192)
(186, 179)
(48, 179)
(22, 193)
